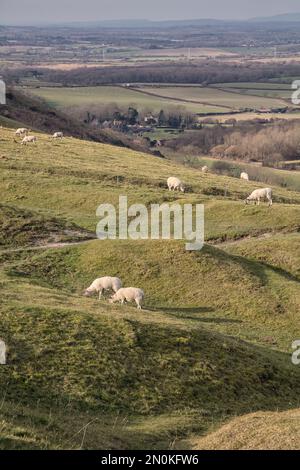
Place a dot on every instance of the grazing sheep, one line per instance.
(57, 135)
(2, 352)
(22, 131)
(129, 294)
(103, 283)
(29, 138)
(244, 176)
(205, 169)
(258, 194)
(175, 184)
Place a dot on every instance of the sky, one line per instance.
(48, 11)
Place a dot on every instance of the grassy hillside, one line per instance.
(213, 341)
(25, 109)
(77, 176)
(265, 305)
(162, 369)
(270, 176)
(259, 431)
(19, 227)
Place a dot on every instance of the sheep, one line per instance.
(22, 131)
(258, 194)
(57, 135)
(2, 352)
(175, 184)
(103, 283)
(244, 176)
(29, 138)
(129, 294)
(205, 169)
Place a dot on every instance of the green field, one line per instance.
(260, 89)
(227, 97)
(255, 86)
(195, 99)
(123, 97)
(213, 341)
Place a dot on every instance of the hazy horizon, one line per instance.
(62, 11)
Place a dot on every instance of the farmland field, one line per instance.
(254, 85)
(104, 95)
(209, 95)
(253, 115)
(264, 90)
(200, 100)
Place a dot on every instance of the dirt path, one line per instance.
(45, 246)
(217, 244)
(258, 237)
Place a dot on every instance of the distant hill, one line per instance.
(283, 17)
(138, 23)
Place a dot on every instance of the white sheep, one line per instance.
(129, 294)
(2, 352)
(103, 283)
(57, 135)
(258, 194)
(244, 176)
(29, 138)
(22, 131)
(175, 184)
(205, 169)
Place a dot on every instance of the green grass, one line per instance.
(254, 85)
(10, 123)
(266, 90)
(194, 99)
(19, 227)
(280, 251)
(289, 179)
(68, 352)
(266, 308)
(213, 341)
(77, 176)
(105, 95)
(213, 96)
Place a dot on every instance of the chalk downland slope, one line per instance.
(34, 112)
(22, 227)
(256, 431)
(156, 375)
(213, 341)
(213, 289)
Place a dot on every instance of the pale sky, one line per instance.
(46, 11)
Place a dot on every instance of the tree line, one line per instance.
(206, 72)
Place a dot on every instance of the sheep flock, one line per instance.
(114, 284)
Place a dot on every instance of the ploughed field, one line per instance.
(213, 341)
